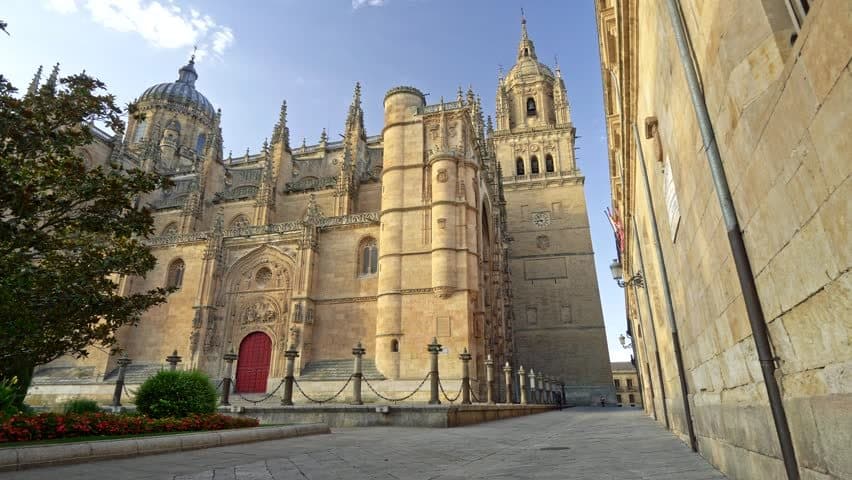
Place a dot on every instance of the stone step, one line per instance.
(338, 370)
(136, 373)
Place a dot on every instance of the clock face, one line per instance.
(541, 219)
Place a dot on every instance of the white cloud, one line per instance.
(62, 6)
(356, 4)
(162, 25)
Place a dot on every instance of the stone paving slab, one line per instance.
(582, 443)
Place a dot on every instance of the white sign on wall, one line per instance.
(670, 192)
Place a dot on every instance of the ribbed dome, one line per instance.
(181, 90)
(527, 67)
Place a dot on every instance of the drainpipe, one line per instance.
(735, 239)
(637, 360)
(651, 319)
(667, 295)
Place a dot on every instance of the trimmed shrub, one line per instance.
(176, 394)
(81, 405)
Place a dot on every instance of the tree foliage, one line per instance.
(68, 230)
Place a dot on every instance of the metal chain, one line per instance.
(451, 400)
(126, 391)
(473, 396)
(220, 384)
(298, 387)
(397, 399)
(264, 398)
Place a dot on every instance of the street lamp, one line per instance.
(623, 341)
(617, 275)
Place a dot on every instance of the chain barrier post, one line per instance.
(548, 383)
(531, 388)
(290, 354)
(522, 385)
(173, 360)
(539, 377)
(226, 382)
(434, 349)
(358, 352)
(122, 362)
(507, 372)
(465, 358)
(489, 377)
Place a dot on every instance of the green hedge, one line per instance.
(176, 394)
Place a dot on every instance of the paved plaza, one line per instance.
(580, 443)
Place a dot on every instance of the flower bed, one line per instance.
(44, 426)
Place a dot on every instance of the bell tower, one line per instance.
(558, 326)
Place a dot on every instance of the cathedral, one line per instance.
(443, 226)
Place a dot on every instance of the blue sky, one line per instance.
(253, 54)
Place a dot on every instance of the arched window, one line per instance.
(526, 52)
(519, 166)
(139, 133)
(240, 221)
(369, 257)
(548, 163)
(394, 345)
(200, 143)
(531, 107)
(533, 164)
(171, 229)
(175, 277)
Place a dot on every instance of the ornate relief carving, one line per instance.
(541, 219)
(542, 242)
(443, 292)
(261, 311)
(443, 176)
(442, 223)
(534, 148)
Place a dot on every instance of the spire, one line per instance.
(324, 136)
(526, 49)
(281, 133)
(355, 119)
(187, 73)
(490, 126)
(33, 88)
(51, 80)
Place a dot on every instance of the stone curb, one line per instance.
(44, 455)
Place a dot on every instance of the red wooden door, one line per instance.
(253, 363)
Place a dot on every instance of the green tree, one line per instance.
(67, 229)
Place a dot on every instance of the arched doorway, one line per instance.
(253, 363)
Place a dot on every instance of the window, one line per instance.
(548, 163)
(171, 229)
(631, 398)
(534, 164)
(618, 399)
(175, 277)
(369, 252)
(200, 143)
(630, 384)
(139, 134)
(526, 52)
(531, 107)
(394, 345)
(617, 383)
(519, 166)
(240, 221)
(798, 10)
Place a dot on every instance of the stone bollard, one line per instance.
(122, 362)
(358, 351)
(539, 380)
(226, 382)
(531, 377)
(173, 360)
(507, 371)
(522, 385)
(489, 377)
(547, 392)
(290, 354)
(465, 358)
(434, 349)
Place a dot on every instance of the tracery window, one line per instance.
(533, 164)
(200, 144)
(170, 229)
(369, 253)
(531, 110)
(548, 163)
(519, 166)
(139, 133)
(175, 276)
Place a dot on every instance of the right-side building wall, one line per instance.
(776, 79)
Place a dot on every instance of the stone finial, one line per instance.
(33, 88)
(323, 136)
(52, 79)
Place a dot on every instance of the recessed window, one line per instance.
(617, 383)
(629, 383)
(394, 345)
(531, 110)
(533, 164)
(175, 276)
(548, 163)
(618, 398)
(519, 166)
(139, 133)
(632, 398)
(369, 257)
(200, 143)
(526, 52)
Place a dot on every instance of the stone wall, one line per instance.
(780, 111)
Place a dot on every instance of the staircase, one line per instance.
(338, 370)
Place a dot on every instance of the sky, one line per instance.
(252, 55)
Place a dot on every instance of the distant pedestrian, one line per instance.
(603, 400)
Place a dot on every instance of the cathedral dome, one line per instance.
(181, 91)
(529, 67)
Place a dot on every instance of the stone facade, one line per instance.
(387, 240)
(625, 379)
(777, 83)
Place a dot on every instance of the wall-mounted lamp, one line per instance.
(617, 273)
